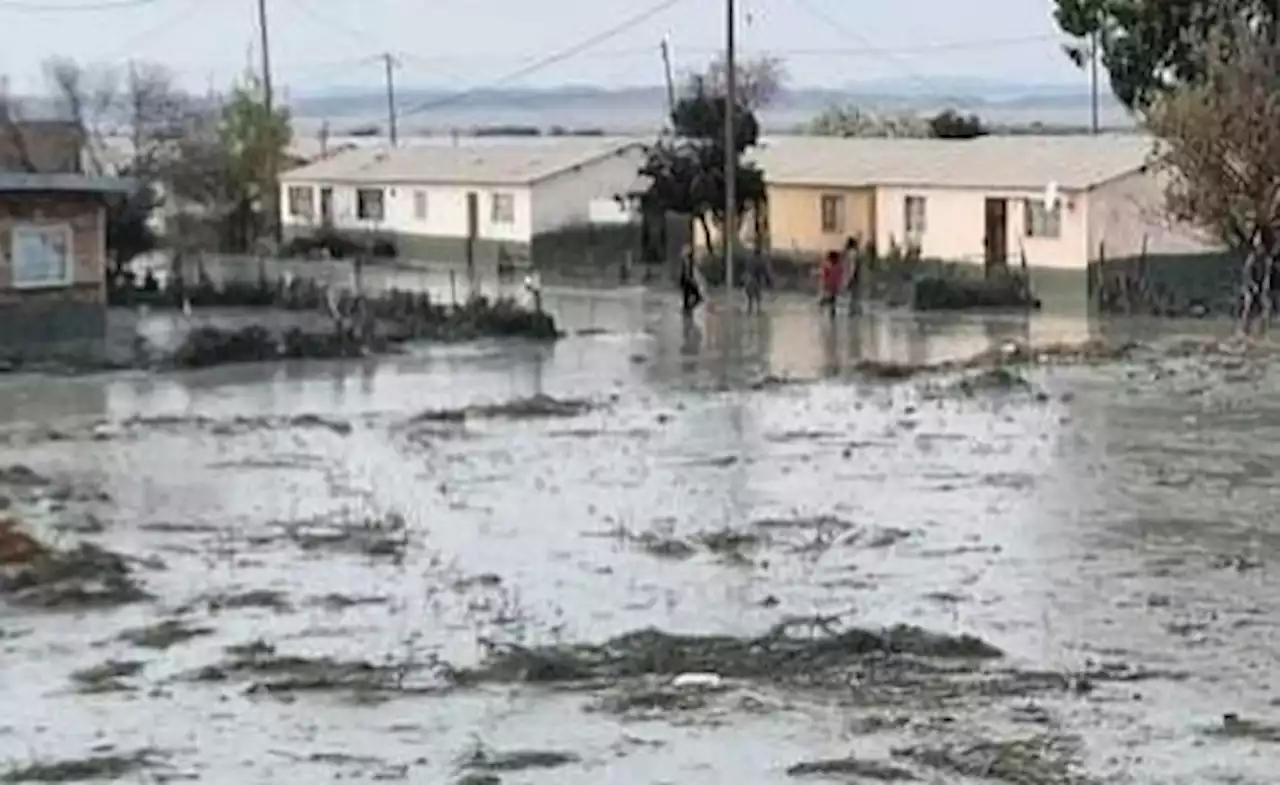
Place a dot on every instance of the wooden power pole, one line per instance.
(392, 133)
(271, 203)
(730, 142)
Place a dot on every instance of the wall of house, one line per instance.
(446, 211)
(795, 218)
(565, 199)
(1176, 267)
(63, 318)
(955, 226)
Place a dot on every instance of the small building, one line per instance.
(1057, 202)
(53, 228)
(431, 199)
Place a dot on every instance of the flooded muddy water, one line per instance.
(335, 555)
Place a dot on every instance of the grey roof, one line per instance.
(996, 162)
(509, 161)
(17, 182)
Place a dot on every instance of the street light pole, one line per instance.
(730, 142)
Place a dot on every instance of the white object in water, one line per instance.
(186, 307)
(704, 681)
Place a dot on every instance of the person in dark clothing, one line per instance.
(832, 281)
(689, 288)
(853, 259)
(757, 280)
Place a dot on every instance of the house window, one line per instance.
(420, 205)
(832, 214)
(302, 201)
(1042, 221)
(503, 209)
(913, 216)
(369, 204)
(41, 256)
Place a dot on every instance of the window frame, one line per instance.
(361, 195)
(907, 213)
(836, 204)
(504, 217)
(1050, 225)
(68, 277)
(294, 203)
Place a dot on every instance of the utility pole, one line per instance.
(268, 103)
(671, 80)
(390, 61)
(1094, 54)
(730, 142)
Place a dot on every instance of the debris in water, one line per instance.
(537, 406)
(1233, 726)
(163, 635)
(20, 476)
(484, 759)
(387, 536)
(270, 672)
(35, 575)
(1039, 760)
(852, 767)
(96, 767)
(107, 676)
(992, 380)
(775, 656)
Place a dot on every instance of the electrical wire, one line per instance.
(34, 7)
(549, 60)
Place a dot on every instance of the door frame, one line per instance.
(995, 223)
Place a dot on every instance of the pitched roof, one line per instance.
(63, 182)
(472, 161)
(1008, 162)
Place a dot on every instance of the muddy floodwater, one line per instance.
(377, 571)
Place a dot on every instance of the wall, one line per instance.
(1171, 267)
(565, 199)
(955, 226)
(66, 318)
(446, 211)
(795, 218)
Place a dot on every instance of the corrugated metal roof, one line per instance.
(471, 161)
(14, 182)
(1009, 162)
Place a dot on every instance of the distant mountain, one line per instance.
(631, 109)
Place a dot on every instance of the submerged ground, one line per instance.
(328, 549)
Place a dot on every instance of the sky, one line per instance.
(474, 43)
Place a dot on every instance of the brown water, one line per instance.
(1124, 516)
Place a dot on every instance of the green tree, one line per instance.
(950, 124)
(256, 142)
(685, 168)
(1149, 47)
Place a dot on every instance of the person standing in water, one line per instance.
(757, 279)
(832, 282)
(852, 258)
(690, 290)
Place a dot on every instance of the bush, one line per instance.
(945, 293)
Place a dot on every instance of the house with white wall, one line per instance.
(432, 200)
(1059, 202)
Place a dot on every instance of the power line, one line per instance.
(550, 60)
(33, 7)
(819, 14)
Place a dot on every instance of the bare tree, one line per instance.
(1219, 146)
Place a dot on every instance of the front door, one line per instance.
(997, 232)
(326, 206)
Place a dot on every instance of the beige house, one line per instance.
(1051, 199)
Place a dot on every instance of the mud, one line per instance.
(96, 768)
(84, 576)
